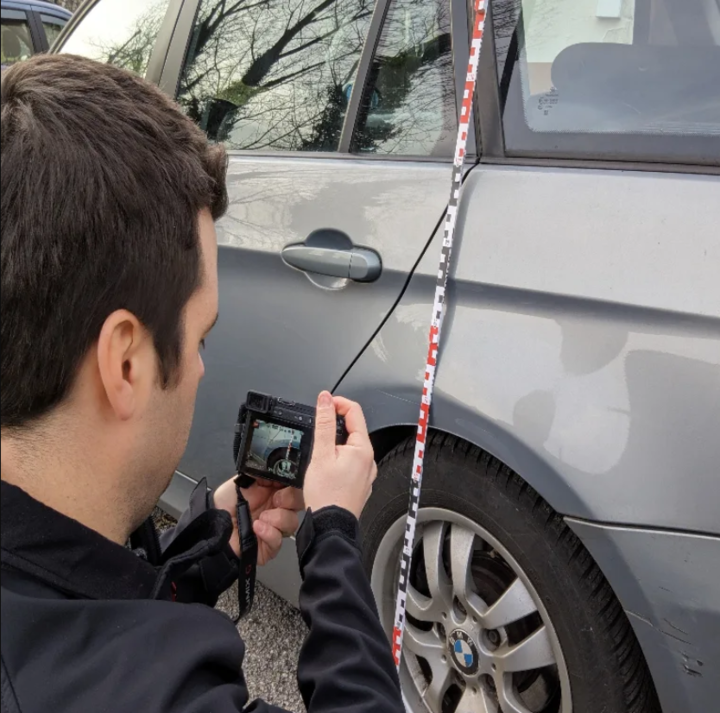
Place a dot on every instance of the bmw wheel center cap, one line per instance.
(464, 652)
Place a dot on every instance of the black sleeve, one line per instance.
(206, 581)
(346, 662)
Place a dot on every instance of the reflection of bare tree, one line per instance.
(71, 5)
(411, 108)
(133, 51)
(274, 73)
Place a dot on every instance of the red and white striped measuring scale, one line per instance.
(436, 325)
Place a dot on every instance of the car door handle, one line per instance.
(358, 264)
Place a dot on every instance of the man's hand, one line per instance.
(274, 510)
(340, 475)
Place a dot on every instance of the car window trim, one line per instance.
(603, 165)
(337, 155)
(178, 47)
(160, 50)
(461, 18)
(487, 98)
(73, 22)
(366, 56)
(12, 13)
(37, 32)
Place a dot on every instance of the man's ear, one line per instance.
(127, 363)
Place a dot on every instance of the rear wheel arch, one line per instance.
(442, 446)
(506, 448)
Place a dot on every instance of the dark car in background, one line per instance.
(29, 27)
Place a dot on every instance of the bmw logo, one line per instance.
(464, 652)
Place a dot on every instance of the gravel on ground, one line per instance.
(273, 633)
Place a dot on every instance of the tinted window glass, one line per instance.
(120, 32)
(409, 104)
(53, 27)
(16, 41)
(624, 77)
(274, 75)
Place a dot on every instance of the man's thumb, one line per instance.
(325, 425)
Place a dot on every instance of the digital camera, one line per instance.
(274, 438)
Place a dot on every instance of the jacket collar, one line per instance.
(65, 554)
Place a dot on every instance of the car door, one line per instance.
(318, 166)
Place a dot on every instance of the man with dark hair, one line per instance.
(109, 289)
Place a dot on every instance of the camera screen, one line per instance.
(274, 448)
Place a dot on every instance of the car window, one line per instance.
(409, 103)
(274, 75)
(53, 27)
(16, 38)
(119, 32)
(620, 76)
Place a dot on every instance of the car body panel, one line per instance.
(667, 582)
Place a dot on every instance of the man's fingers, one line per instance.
(286, 521)
(353, 414)
(325, 426)
(290, 499)
(269, 536)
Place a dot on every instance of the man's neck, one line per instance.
(66, 483)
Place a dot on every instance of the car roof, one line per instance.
(39, 5)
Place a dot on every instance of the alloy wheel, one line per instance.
(478, 638)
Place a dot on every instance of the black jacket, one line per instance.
(91, 627)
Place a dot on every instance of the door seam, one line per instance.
(402, 291)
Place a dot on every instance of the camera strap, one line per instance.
(247, 567)
(436, 324)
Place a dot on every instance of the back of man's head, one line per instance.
(102, 183)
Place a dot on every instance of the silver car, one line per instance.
(568, 556)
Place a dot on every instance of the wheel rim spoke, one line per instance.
(419, 606)
(438, 581)
(514, 604)
(476, 701)
(533, 652)
(423, 643)
(462, 545)
(441, 680)
(508, 700)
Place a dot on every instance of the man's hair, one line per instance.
(103, 180)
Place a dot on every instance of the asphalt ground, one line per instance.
(273, 633)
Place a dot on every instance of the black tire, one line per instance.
(607, 671)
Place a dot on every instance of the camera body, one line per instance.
(276, 438)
